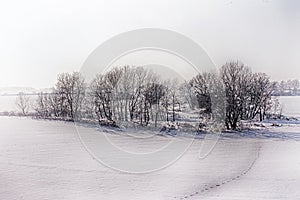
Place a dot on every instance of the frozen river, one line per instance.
(45, 160)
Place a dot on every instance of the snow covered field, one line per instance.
(42, 159)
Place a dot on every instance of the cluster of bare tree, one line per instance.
(65, 100)
(139, 96)
(132, 94)
(247, 94)
(123, 94)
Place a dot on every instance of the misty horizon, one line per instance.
(45, 39)
(35, 87)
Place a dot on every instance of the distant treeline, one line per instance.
(287, 88)
(139, 96)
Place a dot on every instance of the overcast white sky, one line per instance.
(39, 39)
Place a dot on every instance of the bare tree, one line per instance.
(236, 77)
(173, 90)
(201, 85)
(49, 104)
(247, 94)
(102, 90)
(139, 77)
(23, 103)
(153, 92)
(42, 105)
(259, 94)
(129, 93)
(71, 90)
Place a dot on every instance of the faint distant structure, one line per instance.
(22, 102)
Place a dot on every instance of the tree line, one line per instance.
(287, 88)
(139, 96)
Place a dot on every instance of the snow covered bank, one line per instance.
(45, 160)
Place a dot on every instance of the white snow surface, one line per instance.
(42, 159)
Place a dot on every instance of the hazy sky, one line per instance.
(42, 38)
